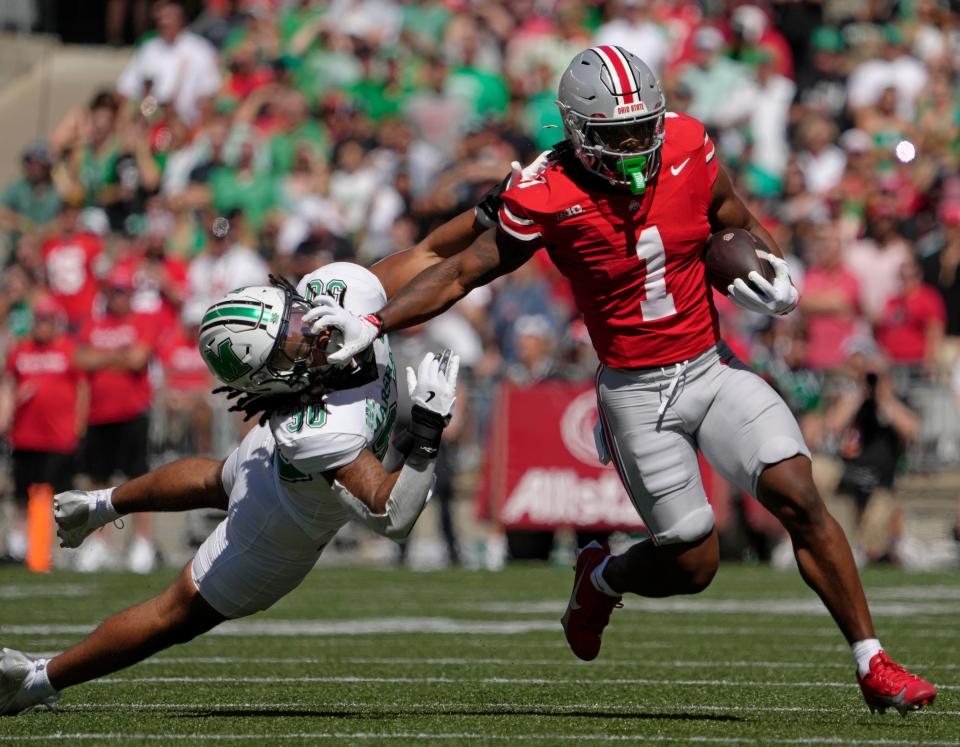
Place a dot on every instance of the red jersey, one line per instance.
(117, 395)
(147, 296)
(184, 369)
(68, 262)
(635, 262)
(45, 416)
(902, 330)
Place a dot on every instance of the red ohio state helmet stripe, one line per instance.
(620, 72)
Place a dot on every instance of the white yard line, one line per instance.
(16, 591)
(425, 736)
(606, 681)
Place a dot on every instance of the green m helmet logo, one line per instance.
(224, 362)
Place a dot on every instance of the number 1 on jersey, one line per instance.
(658, 303)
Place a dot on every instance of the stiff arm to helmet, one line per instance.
(433, 391)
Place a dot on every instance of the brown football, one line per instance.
(731, 254)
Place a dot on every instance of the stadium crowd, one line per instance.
(247, 137)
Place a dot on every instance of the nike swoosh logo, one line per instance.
(574, 605)
(675, 170)
(430, 396)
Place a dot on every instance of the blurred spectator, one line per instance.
(888, 63)
(176, 67)
(186, 407)
(225, 265)
(71, 263)
(821, 161)
(822, 84)
(630, 24)
(43, 411)
(535, 345)
(873, 426)
(115, 349)
(713, 80)
(159, 281)
(31, 200)
(876, 259)
(940, 260)
(910, 329)
(755, 38)
(830, 301)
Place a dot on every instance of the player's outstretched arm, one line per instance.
(395, 271)
(430, 293)
(390, 503)
(451, 238)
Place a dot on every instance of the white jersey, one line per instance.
(324, 436)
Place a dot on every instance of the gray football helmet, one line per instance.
(613, 108)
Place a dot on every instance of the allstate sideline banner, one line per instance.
(542, 471)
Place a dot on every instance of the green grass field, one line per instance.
(368, 656)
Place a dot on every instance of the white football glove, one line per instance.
(530, 171)
(603, 453)
(358, 332)
(772, 299)
(489, 206)
(434, 386)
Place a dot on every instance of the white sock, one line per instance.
(102, 507)
(37, 682)
(863, 652)
(599, 582)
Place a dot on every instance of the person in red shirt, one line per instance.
(43, 401)
(69, 264)
(830, 302)
(187, 383)
(912, 324)
(159, 281)
(115, 350)
(624, 207)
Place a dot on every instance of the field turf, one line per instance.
(392, 657)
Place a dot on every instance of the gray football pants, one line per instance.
(655, 418)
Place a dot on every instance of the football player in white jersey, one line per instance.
(316, 460)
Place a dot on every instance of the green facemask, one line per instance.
(633, 169)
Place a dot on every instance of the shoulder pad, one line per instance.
(683, 133)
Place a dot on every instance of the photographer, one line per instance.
(872, 427)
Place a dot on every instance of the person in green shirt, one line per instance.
(299, 129)
(32, 199)
(94, 163)
(242, 187)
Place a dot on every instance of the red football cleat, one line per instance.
(589, 610)
(888, 685)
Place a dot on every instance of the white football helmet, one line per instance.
(612, 106)
(246, 343)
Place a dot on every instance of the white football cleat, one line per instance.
(79, 513)
(15, 670)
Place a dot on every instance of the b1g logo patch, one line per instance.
(569, 212)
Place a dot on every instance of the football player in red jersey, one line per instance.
(623, 207)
